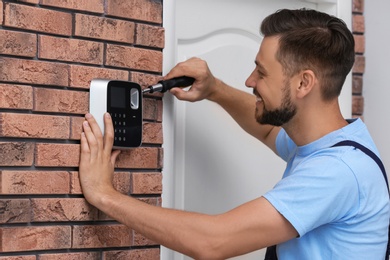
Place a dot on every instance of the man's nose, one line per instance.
(250, 81)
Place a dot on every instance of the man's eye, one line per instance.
(260, 73)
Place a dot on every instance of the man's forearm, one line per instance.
(185, 232)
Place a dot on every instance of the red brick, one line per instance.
(71, 256)
(133, 58)
(25, 17)
(360, 64)
(34, 238)
(122, 181)
(57, 155)
(22, 257)
(360, 43)
(152, 133)
(16, 96)
(1, 12)
(76, 127)
(101, 236)
(358, 23)
(16, 153)
(159, 110)
(34, 182)
(152, 109)
(18, 43)
(149, 254)
(146, 183)
(34, 126)
(358, 6)
(143, 157)
(104, 28)
(149, 35)
(154, 201)
(96, 6)
(75, 187)
(81, 76)
(161, 157)
(75, 209)
(54, 48)
(357, 105)
(145, 10)
(62, 101)
(15, 211)
(140, 240)
(33, 72)
(357, 85)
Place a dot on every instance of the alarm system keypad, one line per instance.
(119, 121)
(124, 103)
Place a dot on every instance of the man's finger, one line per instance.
(95, 130)
(90, 140)
(114, 155)
(84, 144)
(108, 134)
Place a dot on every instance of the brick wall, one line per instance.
(358, 69)
(49, 52)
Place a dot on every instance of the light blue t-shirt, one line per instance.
(336, 198)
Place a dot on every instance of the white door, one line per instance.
(210, 164)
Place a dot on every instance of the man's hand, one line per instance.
(97, 159)
(205, 84)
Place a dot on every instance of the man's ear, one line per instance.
(307, 82)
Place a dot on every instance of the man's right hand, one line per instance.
(205, 84)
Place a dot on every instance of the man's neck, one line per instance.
(307, 127)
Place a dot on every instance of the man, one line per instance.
(332, 202)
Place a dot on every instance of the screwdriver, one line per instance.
(165, 85)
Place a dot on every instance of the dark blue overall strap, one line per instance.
(380, 164)
(368, 152)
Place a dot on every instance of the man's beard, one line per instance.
(278, 116)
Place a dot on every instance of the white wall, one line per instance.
(376, 80)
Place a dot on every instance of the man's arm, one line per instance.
(239, 104)
(254, 225)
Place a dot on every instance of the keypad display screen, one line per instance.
(118, 97)
(124, 104)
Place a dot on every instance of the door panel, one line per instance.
(216, 165)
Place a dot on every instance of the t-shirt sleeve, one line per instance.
(323, 190)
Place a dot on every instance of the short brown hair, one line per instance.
(313, 40)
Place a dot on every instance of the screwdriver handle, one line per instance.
(183, 81)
